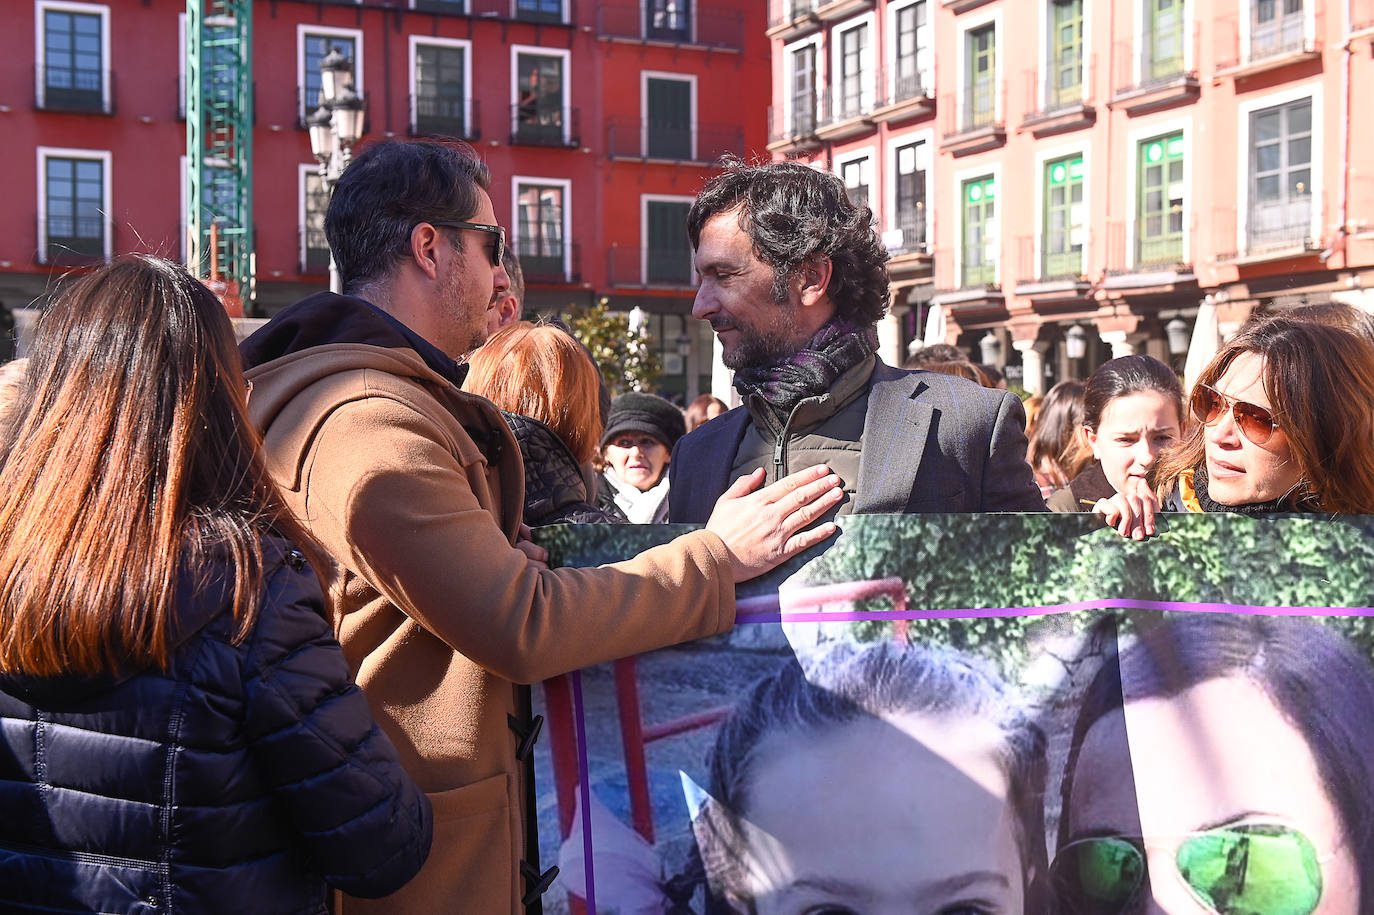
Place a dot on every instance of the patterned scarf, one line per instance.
(835, 349)
(1284, 504)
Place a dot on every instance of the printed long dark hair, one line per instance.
(135, 459)
(1316, 680)
(1320, 385)
(848, 684)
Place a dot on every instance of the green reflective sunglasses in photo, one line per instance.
(1245, 869)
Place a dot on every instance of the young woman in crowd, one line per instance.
(1284, 418)
(703, 409)
(635, 449)
(1053, 451)
(1132, 411)
(882, 778)
(178, 729)
(548, 388)
(1222, 764)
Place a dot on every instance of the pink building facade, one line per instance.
(1060, 182)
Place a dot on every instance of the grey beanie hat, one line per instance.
(646, 413)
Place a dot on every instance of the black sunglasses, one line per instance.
(497, 251)
(1255, 422)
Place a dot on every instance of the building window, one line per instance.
(539, 10)
(911, 52)
(74, 209)
(1163, 40)
(856, 175)
(668, 118)
(539, 239)
(669, 256)
(1159, 201)
(980, 232)
(853, 75)
(1280, 209)
(804, 90)
(1276, 27)
(72, 75)
(440, 6)
(314, 245)
(1062, 245)
(314, 48)
(980, 86)
(668, 20)
(910, 197)
(1065, 53)
(539, 108)
(441, 89)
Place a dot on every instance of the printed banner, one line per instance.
(993, 714)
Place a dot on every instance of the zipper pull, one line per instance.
(777, 459)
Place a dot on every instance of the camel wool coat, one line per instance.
(440, 616)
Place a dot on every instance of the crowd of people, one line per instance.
(199, 525)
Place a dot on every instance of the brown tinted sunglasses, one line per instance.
(1256, 423)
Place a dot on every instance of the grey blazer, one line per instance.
(931, 443)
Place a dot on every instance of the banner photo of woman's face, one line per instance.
(985, 715)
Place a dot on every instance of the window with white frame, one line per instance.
(1162, 47)
(540, 240)
(979, 251)
(1061, 244)
(980, 76)
(315, 45)
(911, 65)
(541, 100)
(853, 92)
(1064, 60)
(440, 103)
(857, 175)
(1276, 27)
(1159, 201)
(314, 203)
(539, 10)
(801, 67)
(668, 117)
(668, 258)
(668, 20)
(73, 66)
(74, 222)
(909, 195)
(1280, 204)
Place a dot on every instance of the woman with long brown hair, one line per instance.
(177, 723)
(1283, 422)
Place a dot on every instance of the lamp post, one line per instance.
(335, 127)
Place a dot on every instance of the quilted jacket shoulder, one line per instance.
(555, 489)
(245, 777)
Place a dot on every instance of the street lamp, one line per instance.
(1177, 332)
(990, 347)
(334, 128)
(1075, 342)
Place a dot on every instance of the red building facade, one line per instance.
(599, 122)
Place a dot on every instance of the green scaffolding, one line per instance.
(219, 139)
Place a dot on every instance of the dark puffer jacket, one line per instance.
(555, 489)
(242, 779)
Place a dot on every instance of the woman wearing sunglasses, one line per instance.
(874, 779)
(1222, 765)
(1283, 422)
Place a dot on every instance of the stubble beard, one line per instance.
(757, 347)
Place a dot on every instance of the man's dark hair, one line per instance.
(389, 189)
(935, 352)
(792, 213)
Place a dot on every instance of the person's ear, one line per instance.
(1090, 436)
(814, 274)
(424, 243)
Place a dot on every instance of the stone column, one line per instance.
(722, 379)
(1032, 364)
(1119, 341)
(890, 338)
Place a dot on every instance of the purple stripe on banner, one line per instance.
(858, 615)
(584, 780)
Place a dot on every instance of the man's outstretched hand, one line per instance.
(762, 528)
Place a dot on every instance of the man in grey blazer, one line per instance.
(794, 281)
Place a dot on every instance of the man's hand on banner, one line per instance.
(763, 529)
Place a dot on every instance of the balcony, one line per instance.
(975, 125)
(542, 11)
(1148, 265)
(907, 246)
(1152, 71)
(75, 91)
(971, 295)
(962, 6)
(845, 112)
(1054, 109)
(1274, 45)
(653, 267)
(553, 127)
(903, 95)
(835, 10)
(671, 22)
(1049, 279)
(542, 260)
(791, 19)
(71, 241)
(641, 139)
(432, 116)
(1274, 231)
(794, 132)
